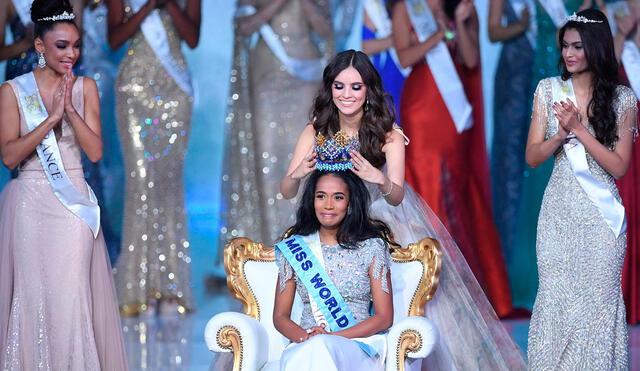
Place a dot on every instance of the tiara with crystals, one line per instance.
(578, 18)
(333, 154)
(60, 17)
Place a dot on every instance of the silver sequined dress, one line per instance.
(349, 269)
(154, 118)
(578, 320)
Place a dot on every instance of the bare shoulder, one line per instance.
(88, 84)
(7, 95)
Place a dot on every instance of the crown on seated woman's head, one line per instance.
(333, 154)
(578, 18)
(64, 16)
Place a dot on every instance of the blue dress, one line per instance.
(392, 78)
(511, 114)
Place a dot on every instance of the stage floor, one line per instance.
(177, 342)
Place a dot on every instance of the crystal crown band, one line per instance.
(578, 18)
(64, 16)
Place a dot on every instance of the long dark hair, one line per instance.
(49, 8)
(603, 65)
(356, 226)
(378, 117)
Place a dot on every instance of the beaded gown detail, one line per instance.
(578, 319)
(58, 306)
(154, 118)
(268, 110)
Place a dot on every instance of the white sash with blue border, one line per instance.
(35, 113)
(556, 11)
(441, 65)
(328, 305)
(23, 8)
(611, 209)
(155, 34)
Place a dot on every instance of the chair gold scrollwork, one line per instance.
(251, 277)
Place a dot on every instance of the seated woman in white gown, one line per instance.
(338, 262)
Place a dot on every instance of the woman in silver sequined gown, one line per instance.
(268, 109)
(578, 320)
(154, 117)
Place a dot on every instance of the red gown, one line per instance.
(451, 173)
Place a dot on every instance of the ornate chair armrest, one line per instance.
(240, 334)
(413, 337)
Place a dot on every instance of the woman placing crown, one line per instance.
(58, 308)
(353, 130)
(588, 122)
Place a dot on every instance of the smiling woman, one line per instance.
(57, 296)
(587, 122)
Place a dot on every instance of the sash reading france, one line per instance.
(321, 288)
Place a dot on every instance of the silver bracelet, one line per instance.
(390, 190)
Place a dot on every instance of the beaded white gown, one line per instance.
(578, 320)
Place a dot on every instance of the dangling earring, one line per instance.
(349, 210)
(41, 62)
(366, 105)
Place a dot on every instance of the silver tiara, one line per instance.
(60, 17)
(578, 18)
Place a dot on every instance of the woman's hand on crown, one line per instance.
(363, 168)
(306, 166)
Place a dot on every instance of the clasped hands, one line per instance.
(568, 117)
(62, 103)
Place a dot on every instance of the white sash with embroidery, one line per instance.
(23, 8)
(380, 18)
(630, 53)
(556, 10)
(532, 32)
(35, 113)
(307, 70)
(155, 34)
(611, 209)
(441, 65)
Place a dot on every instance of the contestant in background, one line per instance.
(280, 49)
(550, 15)
(623, 17)
(153, 109)
(588, 123)
(107, 176)
(333, 221)
(58, 306)
(377, 43)
(510, 22)
(447, 162)
(354, 127)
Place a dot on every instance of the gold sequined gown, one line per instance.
(154, 118)
(578, 320)
(58, 306)
(268, 110)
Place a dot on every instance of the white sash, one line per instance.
(611, 209)
(307, 70)
(23, 8)
(378, 14)
(532, 31)
(35, 113)
(155, 34)
(630, 53)
(556, 10)
(441, 65)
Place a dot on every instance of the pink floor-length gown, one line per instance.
(58, 307)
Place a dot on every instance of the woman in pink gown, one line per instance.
(58, 306)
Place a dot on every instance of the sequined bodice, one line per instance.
(140, 48)
(69, 147)
(562, 169)
(349, 270)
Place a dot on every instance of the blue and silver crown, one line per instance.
(333, 154)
